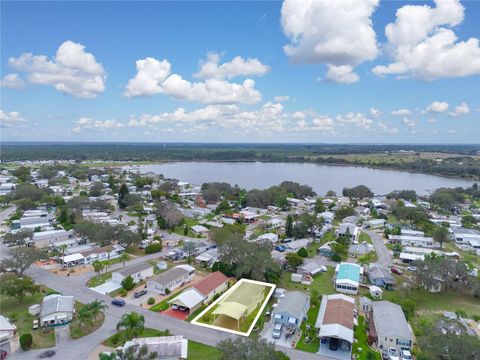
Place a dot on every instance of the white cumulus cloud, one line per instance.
(357, 119)
(12, 81)
(437, 107)
(342, 74)
(335, 32)
(90, 123)
(401, 112)
(155, 77)
(424, 46)
(460, 110)
(11, 119)
(72, 71)
(238, 66)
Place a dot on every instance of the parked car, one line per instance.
(277, 331)
(406, 354)
(411, 268)
(3, 354)
(35, 324)
(333, 344)
(280, 248)
(118, 302)
(139, 293)
(47, 354)
(395, 270)
(392, 354)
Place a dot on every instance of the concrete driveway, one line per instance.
(106, 287)
(287, 343)
(384, 256)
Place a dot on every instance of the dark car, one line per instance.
(396, 270)
(333, 345)
(139, 293)
(47, 354)
(3, 354)
(118, 302)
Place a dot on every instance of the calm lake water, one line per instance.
(261, 175)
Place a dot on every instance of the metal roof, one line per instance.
(56, 303)
(390, 320)
(292, 303)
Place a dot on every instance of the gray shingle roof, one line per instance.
(168, 276)
(292, 303)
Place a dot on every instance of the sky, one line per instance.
(321, 71)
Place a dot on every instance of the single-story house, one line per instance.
(8, 336)
(138, 272)
(410, 232)
(48, 238)
(349, 229)
(190, 299)
(208, 258)
(166, 347)
(347, 278)
(326, 249)
(56, 309)
(462, 235)
(374, 224)
(409, 258)
(291, 309)
(199, 230)
(310, 268)
(336, 319)
(271, 237)
(388, 326)
(214, 284)
(297, 244)
(171, 279)
(418, 241)
(327, 216)
(103, 253)
(380, 276)
(73, 260)
(355, 250)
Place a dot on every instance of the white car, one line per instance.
(393, 354)
(406, 354)
(411, 268)
(277, 331)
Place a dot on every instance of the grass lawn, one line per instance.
(189, 222)
(77, 331)
(311, 319)
(196, 312)
(120, 337)
(115, 261)
(469, 258)
(361, 336)
(163, 305)
(364, 237)
(197, 351)
(99, 279)
(321, 282)
(135, 250)
(18, 314)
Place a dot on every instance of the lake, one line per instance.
(261, 175)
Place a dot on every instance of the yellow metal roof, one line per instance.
(232, 309)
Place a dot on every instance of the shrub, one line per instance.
(128, 283)
(26, 341)
(153, 248)
(167, 291)
(123, 292)
(476, 318)
(336, 258)
(151, 301)
(303, 252)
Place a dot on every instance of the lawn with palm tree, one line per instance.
(87, 319)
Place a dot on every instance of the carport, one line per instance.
(107, 287)
(190, 299)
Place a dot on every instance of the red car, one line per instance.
(396, 271)
(3, 354)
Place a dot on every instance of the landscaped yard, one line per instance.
(163, 305)
(314, 345)
(189, 222)
(135, 250)
(321, 282)
(99, 279)
(467, 257)
(77, 330)
(115, 261)
(364, 237)
(199, 351)
(120, 337)
(361, 337)
(18, 314)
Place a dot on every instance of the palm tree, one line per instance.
(124, 257)
(133, 323)
(85, 315)
(96, 307)
(63, 248)
(98, 266)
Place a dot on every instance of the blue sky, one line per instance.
(322, 71)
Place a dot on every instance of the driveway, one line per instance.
(283, 342)
(107, 287)
(62, 334)
(384, 256)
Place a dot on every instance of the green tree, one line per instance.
(319, 207)
(289, 226)
(134, 352)
(96, 189)
(21, 258)
(440, 234)
(128, 283)
(302, 252)
(122, 194)
(18, 288)
(98, 266)
(294, 260)
(123, 258)
(132, 323)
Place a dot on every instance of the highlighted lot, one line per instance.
(237, 311)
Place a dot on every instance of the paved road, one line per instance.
(81, 348)
(6, 213)
(384, 256)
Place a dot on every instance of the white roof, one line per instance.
(413, 257)
(73, 257)
(190, 298)
(5, 325)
